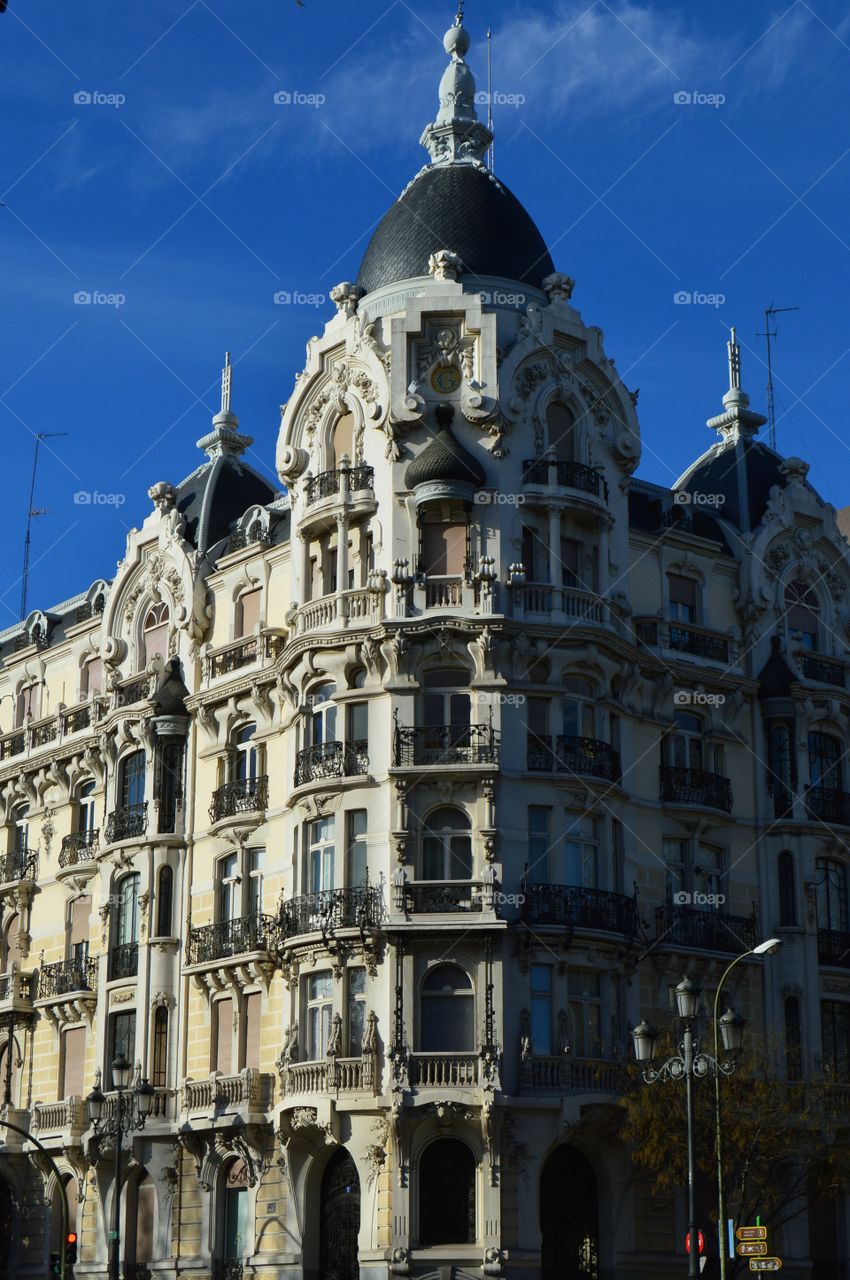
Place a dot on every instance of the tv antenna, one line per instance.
(32, 513)
(769, 314)
(491, 158)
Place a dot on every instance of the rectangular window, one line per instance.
(578, 852)
(531, 555)
(571, 552)
(159, 1057)
(619, 856)
(321, 855)
(357, 862)
(252, 1030)
(319, 1014)
(683, 598)
(835, 1035)
(356, 1011)
(248, 613)
(538, 843)
(584, 987)
(443, 550)
(92, 678)
(78, 940)
(358, 722)
(256, 857)
(227, 888)
(674, 854)
(223, 1043)
(541, 1009)
(123, 1041)
(707, 877)
(73, 1082)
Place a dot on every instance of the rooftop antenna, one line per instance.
(769, 333)
(491, 151)
(32, 513)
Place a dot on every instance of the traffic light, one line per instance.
(55, 1265)
(70, 1250)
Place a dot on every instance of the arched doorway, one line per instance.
(447, 1193)
(340, 1219)
(569, 1217)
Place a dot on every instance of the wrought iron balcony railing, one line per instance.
(815, 666)
(829, 804)
(242, 653)
(79, 846)
(569, 475)
(224, 939)
(227, 1269)
(127, 823)
(445, 744)
(331, 760)
(577, 907)
(74, 721)
(696, 787)
(131, 691)
(834, 947)
(360, 907)
(683, 637)
(20, 864)
(710, 930)
(14, 744)
(328, 483)
(440, 898)
(570, 754)
(124, 960)
(19, 988)
(240, 795)
(66, 976)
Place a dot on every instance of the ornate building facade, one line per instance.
(367, 817)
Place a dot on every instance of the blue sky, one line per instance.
(196, 198)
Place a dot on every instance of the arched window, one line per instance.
(140, 1217)
(447, 1011)
(132, 780)
(793, 1043)
(155, 633)
(447, 846)
(569, 1217)
(164, 902)
(831, 888)
(11, 945)
(446, 1193)
(340, 1218)
(802, 612)
(579, 713)
(159, 1056)
(28, 704)
(91, 678)
(342, 441)
(127, 919)
(561, 432)
(233, 1221)
(787, 889)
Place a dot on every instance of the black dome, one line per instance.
(741, 473)
(463, 208)
(444, 461)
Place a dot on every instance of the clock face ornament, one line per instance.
(445, 380)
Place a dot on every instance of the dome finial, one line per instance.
(738, 419)
(457, 134)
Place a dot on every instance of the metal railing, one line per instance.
(829, 804)
(710, 930)
(815, 666)
(44, 733)
(328, 483)
(243, 538)
(79, 846)
(568, 475)
(443, 897)
(14, 744)
(224, 939)
(445, 744)
(74, 721)
(683, 637)
(240, 795)
(124, 960)
(242, 653)
(126, 823)
(331, 760)
(834, 947)
(577, 907)
(696, 787)
(131, 691)
(360, 907)
(69, 975)
(20, 864)
(568, 753)
(227, 1269)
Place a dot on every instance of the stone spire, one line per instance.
(738, 421)
(457, 134)
(225, 437)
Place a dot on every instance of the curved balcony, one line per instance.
(576, 907)
(711, 930)
(239, 796)
(683, 637)
(129, 692)
(360, 907)
(696, 788)
(834, 948)
(550, 473)
(79, 849)
(18, 866)
(445, 744)
(538, 601)
(829, 805)
(563, 1074)
(361, 607)
(130, 822)
(332, 1075)
(823, 670)
(342, 480)
(225, 939)
(331, 760)
(568, 753)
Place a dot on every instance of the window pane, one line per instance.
(358, 722)
(357, 862)
(460, 863)
(541, 1024)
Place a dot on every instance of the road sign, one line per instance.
(765, 1264)
(751, 1233)
(751, 1248)
(700, 1242)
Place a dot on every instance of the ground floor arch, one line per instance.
(340, 1219)
(569, 1217)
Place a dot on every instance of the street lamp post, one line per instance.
(730, 1025)
(130, 1116)
(689, 1064)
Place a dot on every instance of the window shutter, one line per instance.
(224, 1036)
(682, 590)
(74, 1064)
(252, 1030)
(249, 612)
(145, 1210)
(80, 912)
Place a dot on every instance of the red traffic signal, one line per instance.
(700, 1242)
(72, 1237)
